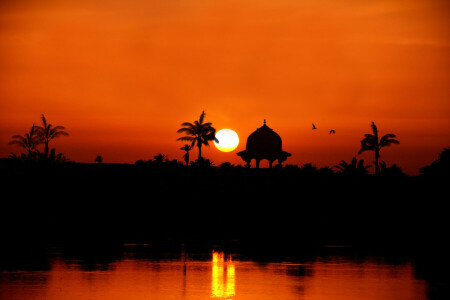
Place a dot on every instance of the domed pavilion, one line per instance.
(264, 143)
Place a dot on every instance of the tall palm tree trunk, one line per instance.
(377, 157)
(30, 152)
(46, 149)
(199, 152)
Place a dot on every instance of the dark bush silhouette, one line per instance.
(202, 162)
(308, 168)
(392, 171)
(439, 167)
(55, 158)
(354, 168)
(226, 165)
(159, 158)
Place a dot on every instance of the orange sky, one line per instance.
(122, 75)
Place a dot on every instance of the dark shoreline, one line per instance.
(88, 212)
(74, 203)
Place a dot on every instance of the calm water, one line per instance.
(217, 276)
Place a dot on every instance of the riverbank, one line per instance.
(280, 208)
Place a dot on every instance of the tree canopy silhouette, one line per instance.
(439, 167)
(29, 141)
(198, 133)
(355, 167)
(47, 132)
(159, 158)
(371, 142)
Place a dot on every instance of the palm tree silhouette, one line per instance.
(98, 159)
(372, 143)
(198, 133)
(29, 141)
(47, 133)
(354, 167)
(186, 148)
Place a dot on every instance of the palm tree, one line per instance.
(198, 133)
(355, 167)
(48, 133)
(186, 148)
(372, 143)
(29, 141)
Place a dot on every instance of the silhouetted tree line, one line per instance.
(440, 167)
(168, 202)
(200, 133)
(39, 135)
(164, 201)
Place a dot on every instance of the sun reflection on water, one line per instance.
(223, 276)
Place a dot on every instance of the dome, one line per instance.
(264, 143)
(264, 140)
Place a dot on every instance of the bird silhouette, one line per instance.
(314, 127)
(332, 131)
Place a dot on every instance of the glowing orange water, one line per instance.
(218, 278)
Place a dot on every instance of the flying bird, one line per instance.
(332, 131)
(314, 127)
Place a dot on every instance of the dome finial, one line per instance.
(264, 121)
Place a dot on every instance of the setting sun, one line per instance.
(109, 110)
(228, 140)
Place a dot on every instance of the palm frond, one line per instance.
(388, 139)
(19, 143)
(44, 121)
(389, 135)
(187, 130)
(340, 168)
(18, 137)
(202, 117)
(369, 136)
(33, 130)
(389, 142)
(365, 147)
(57, 128)
(186, 138)
(187, 124)
(59, 133)
(374, 129)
